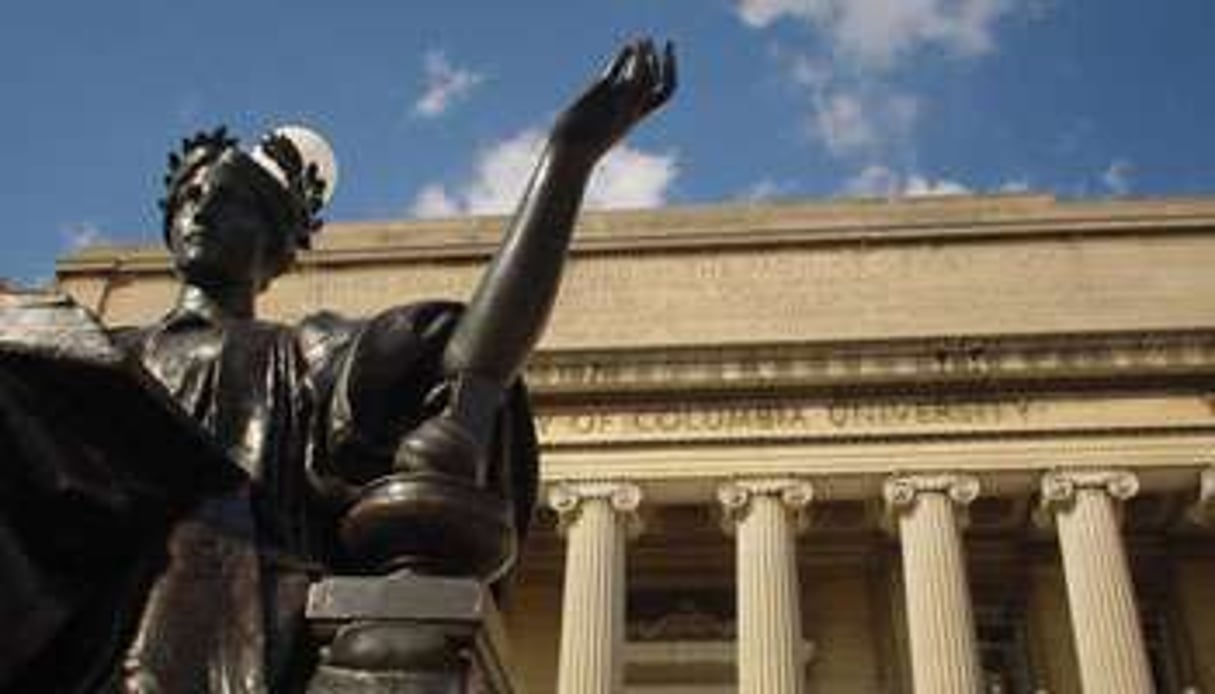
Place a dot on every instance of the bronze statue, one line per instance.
(177, 559)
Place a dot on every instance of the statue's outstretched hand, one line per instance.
(636, 82)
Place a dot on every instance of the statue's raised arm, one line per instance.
(510, 307)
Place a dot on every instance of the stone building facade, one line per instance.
(938, 445)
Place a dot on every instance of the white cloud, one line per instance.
(920, 187)
(843, 124)
(630, 177)
(445, 85)
(1015, 185)
(876, 34)
(854, 116)
(858, 51)
(433, 201)
(761, 13)
(627, 177)
(807, 72)
(863, 122)
(1117, 177)
(767, 189)
(77, 235)
(877, 180)
(502, 171)
(873, 180)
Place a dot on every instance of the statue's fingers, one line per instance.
(667, 80)
(645, 47)
(642, 80)
(634, 64)
(616, 68)
(670, 74)
(653, 66)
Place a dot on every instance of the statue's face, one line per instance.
(223, 230)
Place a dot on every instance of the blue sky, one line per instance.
(437, 108)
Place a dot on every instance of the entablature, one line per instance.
(967, 362)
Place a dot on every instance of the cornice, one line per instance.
(729, 226)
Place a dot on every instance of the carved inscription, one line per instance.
(885, 414)
(760, 419)
(763, 417)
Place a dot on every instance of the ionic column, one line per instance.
(766, 515)
(1101, 596)
(940, 620)
(596, 518)
(1202, 511)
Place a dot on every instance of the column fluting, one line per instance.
(940, 618)
(596, 519)
(1101, 595)
(766, 516)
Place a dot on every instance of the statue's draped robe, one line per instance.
(214, 603)
(242, 553)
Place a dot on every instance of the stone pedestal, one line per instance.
(407, 634)
(940, 620)
(1101, 596)
(596, 519)
(766, 515)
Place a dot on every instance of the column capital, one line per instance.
(735, 496)
(566, 498)
(794, 493)
(1059, 487)
(1202, 511)
(902, 491)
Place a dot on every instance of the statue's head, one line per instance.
(232, 216)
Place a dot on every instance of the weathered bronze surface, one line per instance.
(168, 494)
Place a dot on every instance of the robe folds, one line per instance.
(158, 532)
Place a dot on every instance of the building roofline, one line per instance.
(866, 221)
